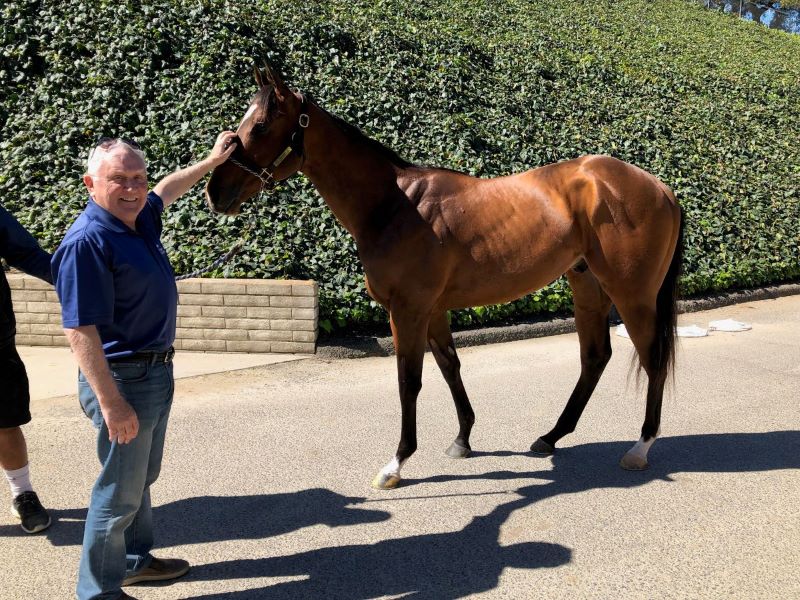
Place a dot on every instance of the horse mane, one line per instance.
(354, 133)
(267, 93)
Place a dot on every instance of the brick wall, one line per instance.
(37, 310)
(214, 315)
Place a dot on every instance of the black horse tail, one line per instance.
(663, 355)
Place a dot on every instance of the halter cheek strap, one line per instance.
(296, 145)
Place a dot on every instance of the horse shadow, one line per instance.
(594, 465)
(439, 565)
(445, 565)
(206, 519)
(469, 561)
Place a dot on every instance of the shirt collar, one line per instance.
(97, 213)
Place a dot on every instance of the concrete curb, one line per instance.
(366, 346)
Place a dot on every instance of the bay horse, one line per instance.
(432, 240)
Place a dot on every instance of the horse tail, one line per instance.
(663, 357)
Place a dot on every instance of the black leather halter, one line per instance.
(296, 145)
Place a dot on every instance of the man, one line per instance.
(20, 250)
(119, 303)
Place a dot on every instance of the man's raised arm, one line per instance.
(176, 184)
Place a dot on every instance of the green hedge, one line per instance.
(708, 103)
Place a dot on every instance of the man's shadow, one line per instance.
(455, 564)
(215, 518)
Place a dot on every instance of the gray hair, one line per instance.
(98, 153)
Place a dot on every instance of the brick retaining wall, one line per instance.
(214, 315)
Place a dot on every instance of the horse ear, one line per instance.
(259, 76)
(274, 78)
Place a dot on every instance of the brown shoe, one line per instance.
(159, 569)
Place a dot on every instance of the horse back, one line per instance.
(471, 241)
(492, 240)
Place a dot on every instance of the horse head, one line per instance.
(269, 145)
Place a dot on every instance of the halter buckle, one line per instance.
(303, 120)
(268, 177)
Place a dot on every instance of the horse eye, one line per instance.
(260, 127)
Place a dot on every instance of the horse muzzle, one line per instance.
(226, 203)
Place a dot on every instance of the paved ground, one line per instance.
(265, 486)
(53, 372)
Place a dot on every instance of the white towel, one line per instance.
(729, 325)
(689, 331)
(693, 331)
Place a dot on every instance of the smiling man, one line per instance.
(119, 304)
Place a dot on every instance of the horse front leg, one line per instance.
(408, 331)
(444, 351)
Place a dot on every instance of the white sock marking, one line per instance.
(392, 468)
(641, 448)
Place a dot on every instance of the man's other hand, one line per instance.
(121, 420)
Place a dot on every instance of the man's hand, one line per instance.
(121, 420)
(223, 148)
(176, 184)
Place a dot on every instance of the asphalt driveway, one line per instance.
(265, 485)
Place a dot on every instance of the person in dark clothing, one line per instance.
(20, 250)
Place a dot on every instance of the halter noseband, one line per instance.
(296, 142)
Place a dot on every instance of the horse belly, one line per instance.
(504, 247)
(505, 272)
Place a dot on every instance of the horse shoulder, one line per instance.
(431, 192)
(406, 225)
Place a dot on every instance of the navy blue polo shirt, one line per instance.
(118, 279)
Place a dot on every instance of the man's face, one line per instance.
(119, 184)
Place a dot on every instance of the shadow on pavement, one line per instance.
(440, 565)
(592, 466)
(456, 564)
(217, 518)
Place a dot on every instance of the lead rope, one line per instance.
(237, 246)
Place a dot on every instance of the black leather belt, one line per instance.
(148, 357)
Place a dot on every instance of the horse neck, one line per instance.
(352, 178)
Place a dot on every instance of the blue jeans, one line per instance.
(119, 528)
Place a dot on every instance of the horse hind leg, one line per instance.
(651, 326)
(444, 351)
(640, 321)
(592, 306)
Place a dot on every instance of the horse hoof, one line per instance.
(383, 481)
(541, 447)
(457, 451)
(633, 462)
